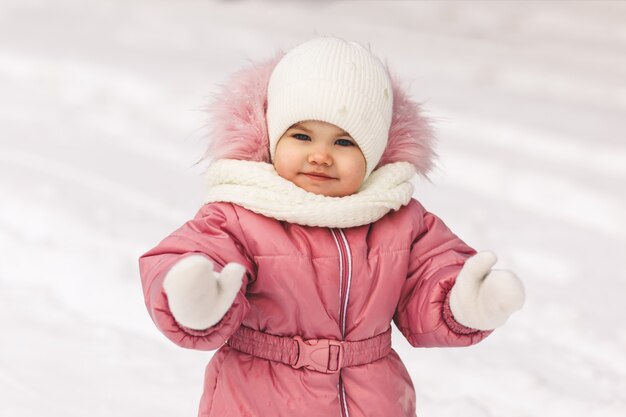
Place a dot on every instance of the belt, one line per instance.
(322, 355)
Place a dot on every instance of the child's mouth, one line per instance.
(318, 177)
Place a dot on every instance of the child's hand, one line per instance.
(483, 298)
(197, 296)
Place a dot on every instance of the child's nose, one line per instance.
(321, 155)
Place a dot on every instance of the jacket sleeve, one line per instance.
(423, 314)
(215, 233)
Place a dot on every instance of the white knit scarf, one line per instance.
(257, 187)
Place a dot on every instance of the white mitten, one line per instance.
(482, 298)
(197, 296)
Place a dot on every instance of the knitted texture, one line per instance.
(334, 81)
(238, 128)
(257, 187)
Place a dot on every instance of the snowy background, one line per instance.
(101, 124)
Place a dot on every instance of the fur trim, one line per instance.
(411, 137)
(237, 115)
(238, 129)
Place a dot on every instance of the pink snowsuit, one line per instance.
(314, 282)
(342, 284)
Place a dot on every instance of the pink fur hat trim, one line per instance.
(238, 128)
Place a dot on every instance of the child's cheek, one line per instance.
(285, 161)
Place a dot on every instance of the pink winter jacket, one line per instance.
(315, 282)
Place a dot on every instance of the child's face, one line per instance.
(313, 146)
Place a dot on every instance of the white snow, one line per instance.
(101, 124)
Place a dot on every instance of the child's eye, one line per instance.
(344, 142)
(301, 136)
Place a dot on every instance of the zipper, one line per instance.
(345, 279)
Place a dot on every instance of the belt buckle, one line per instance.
(315, 354)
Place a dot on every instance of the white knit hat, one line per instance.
(334, 81)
